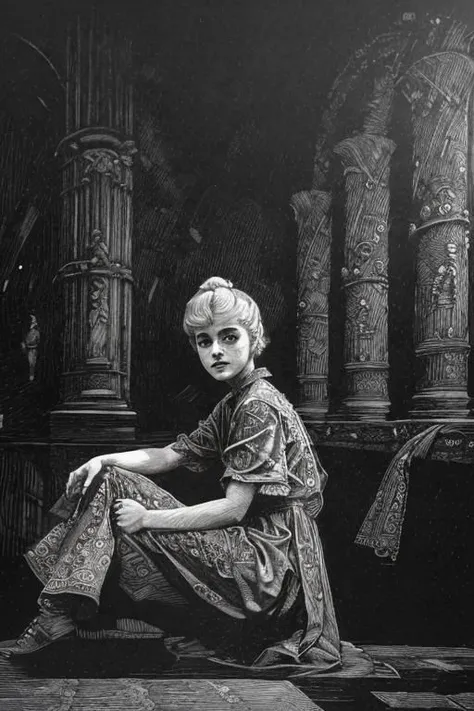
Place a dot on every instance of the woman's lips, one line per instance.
(220, 364)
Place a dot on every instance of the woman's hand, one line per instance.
(130, 515)
(80, 479)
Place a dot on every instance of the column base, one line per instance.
(439, 404)
(363, 409)
(313, 411)
(76, 423)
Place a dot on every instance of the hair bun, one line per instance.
(215, 283)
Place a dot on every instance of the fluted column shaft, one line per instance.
(366, 162)
(439, 89)
(312, 210)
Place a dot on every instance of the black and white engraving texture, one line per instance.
(320, 156)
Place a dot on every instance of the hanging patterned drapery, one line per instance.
(95, 240)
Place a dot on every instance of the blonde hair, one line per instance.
(217, 297)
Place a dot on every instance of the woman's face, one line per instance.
(224, 349)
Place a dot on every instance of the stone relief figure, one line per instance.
(99, 257)
(30, 346)
(98, 298)
(98, 317)
(362, 321)
(314, 302)
(444, 284)
(99, 250)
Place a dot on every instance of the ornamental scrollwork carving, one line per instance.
(368, 381)
(97, 381)
(110, 163)
(455, 367)
(442, 198)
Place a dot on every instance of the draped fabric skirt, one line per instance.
(269, 569)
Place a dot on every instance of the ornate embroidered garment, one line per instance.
(261, 569)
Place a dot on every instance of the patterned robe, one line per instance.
(262, 569)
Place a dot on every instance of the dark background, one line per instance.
(229, 96)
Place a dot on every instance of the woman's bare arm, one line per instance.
(144, 461)
(220, 513)
(141, 461)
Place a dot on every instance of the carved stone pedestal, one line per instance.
(442, 393)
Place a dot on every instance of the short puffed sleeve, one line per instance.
(255, 451)
(200, 449)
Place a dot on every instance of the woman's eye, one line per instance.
(204, 343)
(230, 338)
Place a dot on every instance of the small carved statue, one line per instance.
(362, 322)
(98, 317)
(444, 283)
(314, 304)
(99, 250)
(99, 298)
(30, 345)
(99, 257)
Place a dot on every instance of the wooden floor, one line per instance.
(428, 678)
(81, 675)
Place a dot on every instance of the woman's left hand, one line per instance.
(130, 515)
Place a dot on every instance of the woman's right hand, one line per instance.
(80, 479)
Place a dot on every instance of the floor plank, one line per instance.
(414, 701)
(160, 695)
(465, 701)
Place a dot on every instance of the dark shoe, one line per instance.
(41, 632)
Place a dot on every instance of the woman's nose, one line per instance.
(216, 349)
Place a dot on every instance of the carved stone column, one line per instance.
(95, 242)
(439, 88)
(312, 210)
(366, 162)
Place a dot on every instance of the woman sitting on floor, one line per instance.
(254, 554)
